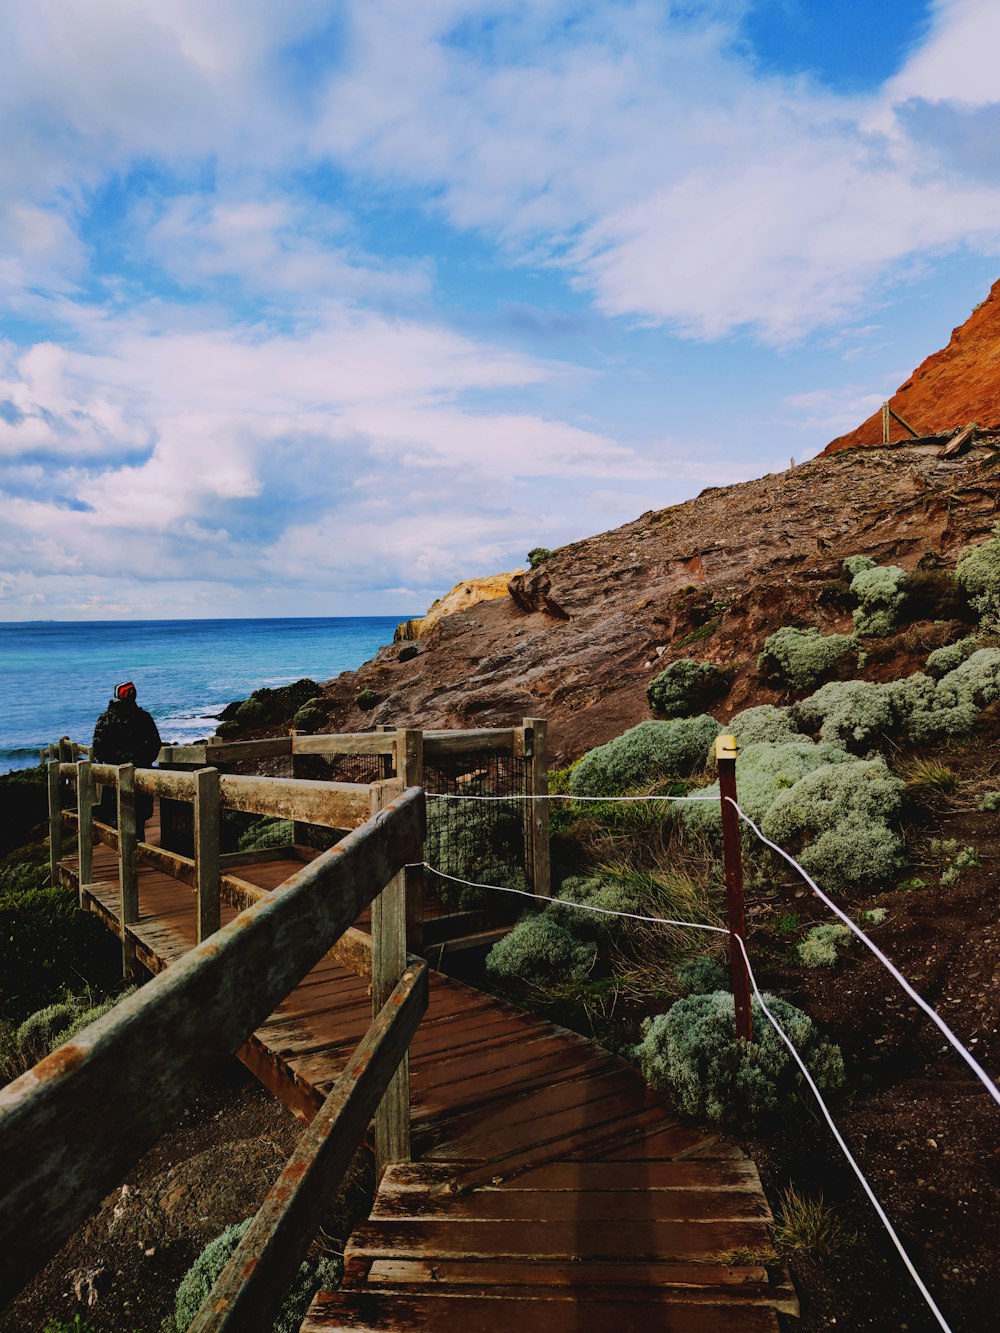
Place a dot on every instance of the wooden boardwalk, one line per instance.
(550, 1188)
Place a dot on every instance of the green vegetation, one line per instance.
(367, 700)
(539, 952)
(537, 555)
(475, 840)
(928, 781)
(943, 660)
(311, 716)
(644, 755)
(693, 1053)
(685, 686)
(853, 714)
(810, 1225)
(700, 975)
(978, 571)
(819, 948)
(953, 858)
(250, 712)
(762, 772)
(408, 652)
(764, 723)
(200, 1278)
(989, 801)
(880, 593)
(857, 564)
(49, 1028)
(801, 658)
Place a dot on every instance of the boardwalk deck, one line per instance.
(550, 1186)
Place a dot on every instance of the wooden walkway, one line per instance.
(550, 1188)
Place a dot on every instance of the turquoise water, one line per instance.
(57, 676)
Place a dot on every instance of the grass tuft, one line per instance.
(809, 1224)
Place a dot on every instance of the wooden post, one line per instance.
(128, 868)
(390, 766)
(732, 858)
(85, 823)
(206, 850)
(392, 1119)
(55, 821)
(538, 785)
(65, 750)
(410, 768)
(885, 423)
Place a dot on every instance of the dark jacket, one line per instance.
(125, 734)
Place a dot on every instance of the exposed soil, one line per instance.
(121, 1270)
(951, 388)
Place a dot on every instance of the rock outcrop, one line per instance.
(956, 386)
(581, 636)
(468, 593)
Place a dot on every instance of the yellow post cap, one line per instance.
(726, 747)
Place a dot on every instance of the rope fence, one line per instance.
(742, 959)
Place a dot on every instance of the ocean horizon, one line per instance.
(56, 676)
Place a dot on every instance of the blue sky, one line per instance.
(318, 308)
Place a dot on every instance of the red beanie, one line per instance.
(125, 691)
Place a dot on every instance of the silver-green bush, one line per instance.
(880, 595)
(854, 714)
(943, 660)
(644, 755)
(819, 948)
(540, 952)
(198, 1281)
(980, 675)
(978, 571)
(594, 891)
(700, 976)
(763, 723)
(838, 820)
(693, 1053)
(801, 658)
(928, 710)
(857, 564)
(685, 686)
(475, 840)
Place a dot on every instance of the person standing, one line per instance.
(125, 734)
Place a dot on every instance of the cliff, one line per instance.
(581, 636)
(468, 593)
(955, 386)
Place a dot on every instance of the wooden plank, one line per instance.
(182, 754)
(226, 752)
(70, 1127)
(905, 424)
(694, 1279)
(371, 1311)
(355, 742)
(55, 820)
(163, 782)
(207, 844)
(611, 1206)
(252, 1286)
(85, 822)
(438, 743)
(392, 1119)
(409, 1177)
(336, 805)
(128, 868)
(260, 854)
(958, 442)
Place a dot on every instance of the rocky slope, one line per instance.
(955, 386)
(581, 636)
(468, 593)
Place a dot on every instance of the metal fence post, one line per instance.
(732, 859)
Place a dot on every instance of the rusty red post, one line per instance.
(732, 861)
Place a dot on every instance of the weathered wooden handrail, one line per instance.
(251, 1287)
(336, 805)
(71, 1126)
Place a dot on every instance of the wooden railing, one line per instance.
(74, 1124)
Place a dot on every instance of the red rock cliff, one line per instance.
(959, 384)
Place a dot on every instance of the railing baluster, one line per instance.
(55, 821)
(128, 869)
(85, 823)
(207, 850)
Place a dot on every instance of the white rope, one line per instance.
(560, 796)
(932, 1305)
(932, 1014)
(566, 902)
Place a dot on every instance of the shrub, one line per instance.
(880, 594)
(266, 832)
(250, 712)
(644, 755)
(874, 915)
(228, 728)
(837, 819)
(979, 675)
(700, 976)
(367, 700)
(537, 555)
(801, 658)
(200, 1278)
(608, 893)
(928, 710)
(819, 948)
(310, 717)
(540, 952)
(684, 686)
(36, 1036)
(978, 571)
(693, 1052)
(763, 723)
(943, 660)
(955, 859)
(854, 714)
(477, 840)
(928, 781)
(809, 1224)
(857, 564)
(408, 652)
(989, 801)
(762, 772)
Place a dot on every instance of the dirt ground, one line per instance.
(120, 1271)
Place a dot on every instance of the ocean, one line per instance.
(57, 676)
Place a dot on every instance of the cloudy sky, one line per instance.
(317, 307)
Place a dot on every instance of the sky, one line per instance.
(319, 308)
